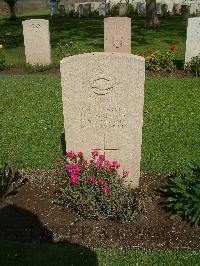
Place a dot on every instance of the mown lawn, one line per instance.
(32, 254)
(32, 122)
(86, 34)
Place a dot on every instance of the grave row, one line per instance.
(117, 38)
(86, 8)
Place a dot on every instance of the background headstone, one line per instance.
(193, 8)
(193, 38)
(164, 10)
(102, 9)
(122, 9)
(103, 107)
(141, 9)
(37, 41)
(117, 34)
(158, 8)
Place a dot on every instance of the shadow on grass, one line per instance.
(30, 242)
(63, 143)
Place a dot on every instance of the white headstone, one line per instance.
(103, 97)
(37, 41)
(117, 34)
(193, 38)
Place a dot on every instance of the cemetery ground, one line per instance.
(32, 136)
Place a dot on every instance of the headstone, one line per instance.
(84, 9)
(37, 41)
(94, 6)
(70, 7)
(103, 107)
(193, 38)
(193, 8)
(141, 9)
(158, 8)
(164, 9)
(102, 9)
(117, 34)
(170, 5)
(177, 9)
(122, 9)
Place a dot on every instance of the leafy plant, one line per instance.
(156, 61)
(2, 58)
(182, 195)
(7, 179)
(130, 10)
(94, 189)
(114, 11)
(194, 65)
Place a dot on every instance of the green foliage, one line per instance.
(94, 189)
(114, 11)
(185, 10)
(71, 48)
(194, 65)
(7, 179)
(2, 58)
(130, 10)
(156, 61)
(183, 195)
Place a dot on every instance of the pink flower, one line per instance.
(80, 154)
(102, 182)
(102, 157)
(74, 179)
(108, 164)
(95, 153)
(71, 154)
(105, 189)
(98, 163)
(115, 164)
(91, 179)
(85, 162)
(125, 173)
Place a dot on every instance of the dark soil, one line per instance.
(23, 71)
(30, 215)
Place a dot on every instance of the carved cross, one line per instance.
(105, 148)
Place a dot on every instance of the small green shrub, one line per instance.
(185, 10)
(130, 10)
(194, 65)
(182, 195)
(156, 61)
(2, 58)
(94, 189)
(114, 11)
(7, 179)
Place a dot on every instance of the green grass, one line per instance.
(32, 122)
(32, 254)
(87, 35)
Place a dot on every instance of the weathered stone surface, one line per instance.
(37, 41)
(84, 9)
(117, 34)
(103, 97)
(193, 38)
